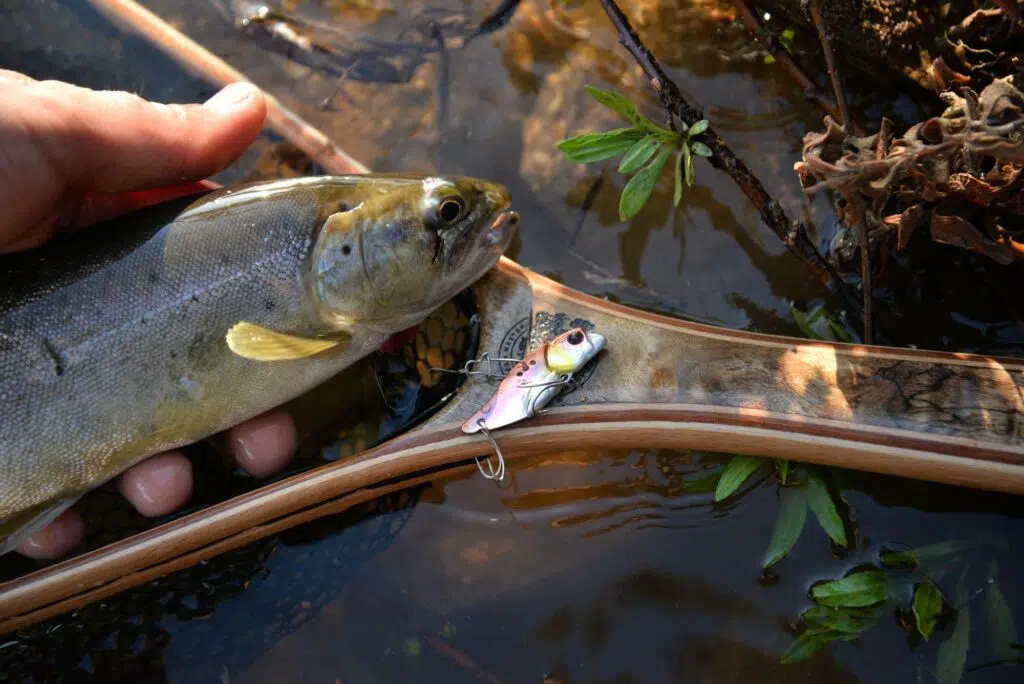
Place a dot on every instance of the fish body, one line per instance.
(534, 381)
(174, 322)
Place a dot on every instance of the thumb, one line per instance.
(107, 141)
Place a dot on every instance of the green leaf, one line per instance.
(927, 606)
(700, 149)
(792, 515)
(952, 655)
(619, 104)
(783, 467)
(677, 192)
(689, 165)
(698, 128)
(768, 59)
(639, 188)
(913, 558)
(853, 621)
(639, 154)
(807, 644)
(592, 147)
(824, 508)
(786, 38)
(864, 588)
(735, 474)
(1001, 626)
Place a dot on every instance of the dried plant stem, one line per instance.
(792, 233)
(814, 9)
(782, 56)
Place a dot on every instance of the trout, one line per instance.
(172, 323)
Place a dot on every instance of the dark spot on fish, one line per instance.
(269, 304)
(519, 374)
(58, 362)
(344, 206)
(174, 355)
(346, 249)
(195, 298)
(224, 260)
(154, 277)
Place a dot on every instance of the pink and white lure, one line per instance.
(536, 380)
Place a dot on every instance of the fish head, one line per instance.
(572, 350)
(405, 244)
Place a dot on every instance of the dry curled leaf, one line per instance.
(955, 231)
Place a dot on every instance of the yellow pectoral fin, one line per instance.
(254, 342)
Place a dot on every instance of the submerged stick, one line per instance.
(198, 60)
(814, 9)
(792, 233)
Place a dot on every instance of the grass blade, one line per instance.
(735, 474)
(788, 526)
(952, 656)
(824, 508)
(1001, 626)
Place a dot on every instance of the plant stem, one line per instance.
(792, 233)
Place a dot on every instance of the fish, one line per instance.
(164, 326)
(534, 381)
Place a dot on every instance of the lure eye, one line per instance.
(450, 209)
(575, 337)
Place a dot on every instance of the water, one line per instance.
(592, 567)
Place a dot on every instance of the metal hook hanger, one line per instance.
(467, 369)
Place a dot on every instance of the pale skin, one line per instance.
(71, 157)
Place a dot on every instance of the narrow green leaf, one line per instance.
(824, 508)
(700, 149)
(677, 192)
(768, 59)
(639, 188)
(1001, 626)
(689, 165)
(927, 606)
(698, 127)
(952, 655)
(788, 526)
(735, 474)
(592, 147)
(783, 467)
(845, 620)
(619, 104)
(904, 560)
(639, 154)
(807, 644)
(864, 588)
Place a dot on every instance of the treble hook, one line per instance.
(491, 473)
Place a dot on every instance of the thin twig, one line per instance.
(781, 55)
(792, 233)
(814, 9)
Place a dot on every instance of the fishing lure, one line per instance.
(531, 384)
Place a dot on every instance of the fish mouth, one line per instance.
(502, 227)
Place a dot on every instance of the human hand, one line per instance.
(70, 157)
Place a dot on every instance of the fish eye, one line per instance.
(575, 337)
(450, 209)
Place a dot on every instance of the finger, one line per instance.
(8, 75)
(264, 444)
(159, 485)
(112, 141)
(103, 206)
(57, 539)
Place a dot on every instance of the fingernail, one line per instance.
(230, 97)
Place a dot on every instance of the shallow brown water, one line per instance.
(592, 567)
